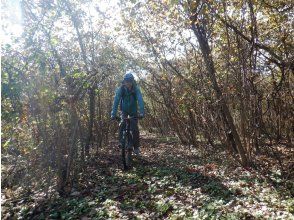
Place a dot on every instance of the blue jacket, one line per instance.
(129, 100)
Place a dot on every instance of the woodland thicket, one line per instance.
(214, 74)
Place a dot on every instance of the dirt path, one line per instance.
(169, 181)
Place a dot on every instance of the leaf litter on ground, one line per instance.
(170, 181)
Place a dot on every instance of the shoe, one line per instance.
(137, 151)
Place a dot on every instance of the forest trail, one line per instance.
(216, 74)
(168, 181)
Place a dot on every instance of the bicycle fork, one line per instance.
(127, 139)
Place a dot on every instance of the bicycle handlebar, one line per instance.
(117, 118)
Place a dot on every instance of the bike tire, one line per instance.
(126, 153)
(129, 157)
(123, 152)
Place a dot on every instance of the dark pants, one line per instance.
(134, 129)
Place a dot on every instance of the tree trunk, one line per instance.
(74, 123)
(199, 31)
(91, 119)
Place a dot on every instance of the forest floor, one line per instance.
(168, 181)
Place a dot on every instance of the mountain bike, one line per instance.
(127, 142)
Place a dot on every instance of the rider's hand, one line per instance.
(115, 118)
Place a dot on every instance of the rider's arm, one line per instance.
(140, 101)
(116, 102)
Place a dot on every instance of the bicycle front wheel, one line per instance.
(129, 157)
(126, 153)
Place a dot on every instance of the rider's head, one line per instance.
(128, 80)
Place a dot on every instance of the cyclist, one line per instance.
(129, 96)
